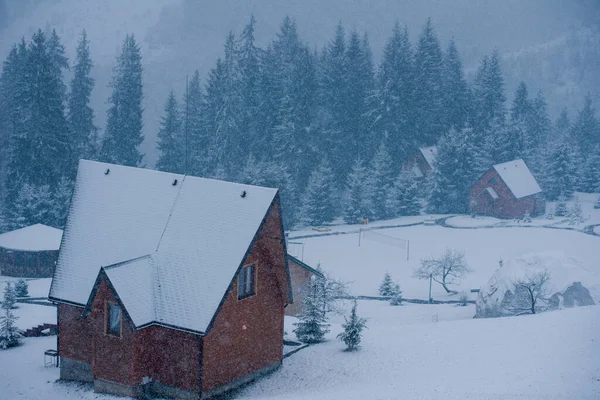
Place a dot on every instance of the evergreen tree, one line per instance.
(33, 204)
(457, 102)
(391, 105)
(454, 174)
(522, 107)
(403, 196)
(21, 288)
(10, 335)
(381, 176)
(539, 130)
(198, 141)
(428, 82)
(123, 135)
(58, 61)
(313, 326)
(170, 139)
(81, 115)
(590, 176)
(9, 297)
(319, 204)
(388, 287)
(353, 328)
(586, 129)
(359, 194)
(560, 176)
(488, 94)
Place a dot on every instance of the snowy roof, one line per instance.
(429, 153)
(191, 235)
(518, 178)
(492, 193)
(36, 237)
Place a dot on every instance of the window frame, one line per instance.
(107, 330)
(242, 280)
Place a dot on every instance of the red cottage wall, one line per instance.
(74, 334)
(247, 335)
(300, 278)
(506, 206)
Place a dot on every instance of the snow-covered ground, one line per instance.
(546, 356)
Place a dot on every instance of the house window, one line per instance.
(113, 325)
(246, 281)
(493, 181)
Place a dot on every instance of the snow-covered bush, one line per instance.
(10, 335)
(10, 297)
(575, 214)
(525, 286)
(550, 214)
(396, 300)
(463, 299)
(353, 328)
(21, 288)
(561, 208)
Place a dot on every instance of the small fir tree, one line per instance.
(575, 214)
(403, 196)
(10, 335)
(312, 327)
(388, 287)
(319, 203)
(561, 207)
(21, 288)
(353, 330)
(10, 297)
(359, 194)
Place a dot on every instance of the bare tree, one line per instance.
(531, 293)
(445, 270)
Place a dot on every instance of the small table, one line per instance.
(51, 358)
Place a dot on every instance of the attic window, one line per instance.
(113, 320)
(247, 282)
(174, 182)
(107, 171)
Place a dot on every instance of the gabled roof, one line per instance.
(518, 178)
(36, 237)
(305, 266)
(429, 153)
(170, 244)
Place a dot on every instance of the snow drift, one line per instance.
(502, 296)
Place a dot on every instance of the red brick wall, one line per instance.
(168, 356)
(300, 280)
(506, 206)
(247, 335)
(74, 334)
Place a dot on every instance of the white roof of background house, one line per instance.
(429, 153)
(36, 237)
(518, 178)
(170, 251)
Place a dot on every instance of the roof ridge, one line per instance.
(121, 263)
(171, 211)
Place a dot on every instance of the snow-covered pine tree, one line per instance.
(353, 328)
(586, 128)
(81, 115)
(388, 287)
(561, 207)
(359, 194)
(319, 204)
(10, 335)
(455, 172)
(391, 106)
(171, 141)
(560, 172)
(123, 135)
(590, 176)
(403, 196)
(457, 96)
(312, 326)
(198, 142)
(521, 107)
(488, 94)
(382, 178)
(33, 205)
(9, 298)
(61, 200)
(428, 95)
(21, 288)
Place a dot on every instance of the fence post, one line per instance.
(359, 234)
(430, 279)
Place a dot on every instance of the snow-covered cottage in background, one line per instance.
(301, 275)
(30, 252)
(169, 284)
(507, 190)
(421, 164)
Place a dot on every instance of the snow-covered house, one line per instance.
(301, 275)
(169, 284)
(507, 190)
(30, 252)
(422, 163)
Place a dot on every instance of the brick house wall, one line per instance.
(300, 278)
(247, 335)
(506, 206)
